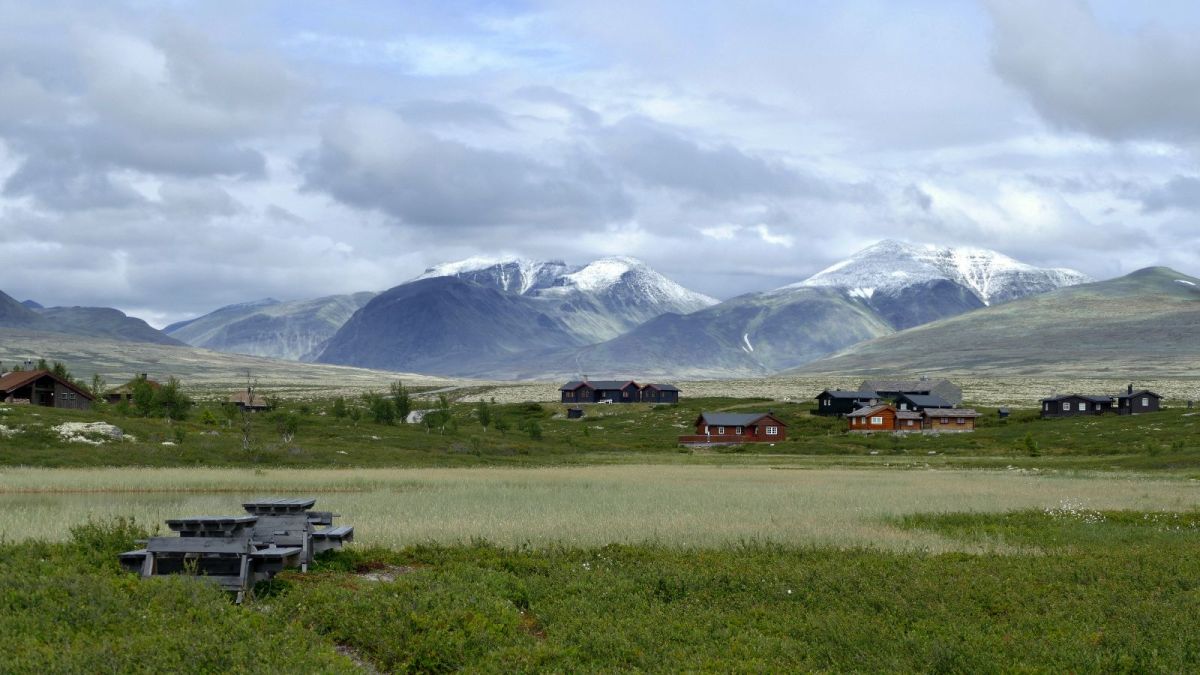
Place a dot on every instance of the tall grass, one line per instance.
(677, 506)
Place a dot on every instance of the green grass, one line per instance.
(640, 433)
(1121, 593)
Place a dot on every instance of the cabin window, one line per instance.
(1066, 405)
(720, 431)
(908, 423)
(945, 420)
(1145, 401)
(772, 431)
(1083, 407)
(876, 420)
(904, 406)
(1097, 406)
(962, 420)
(737, 430)
(705, 429)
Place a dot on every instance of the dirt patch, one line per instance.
(352, 654)
(372, 571)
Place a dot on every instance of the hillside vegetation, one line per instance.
(1145, 324)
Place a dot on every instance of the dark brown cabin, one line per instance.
(660, 393)
(124, 393)
(601, 391)
(1137, 402)
(833, 402)
(44, 388)
(1074, 405)
(727, 428)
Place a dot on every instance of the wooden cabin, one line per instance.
(660, 393)
(1074, 405)
(834, 402)
(1138, 402)
(601, 391)
(249, 401)
(952, 420)
(124, 393)
(727, 428)
(920, 402)
(44, 388)
(885, 417)
(890, 389)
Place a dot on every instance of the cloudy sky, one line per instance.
(167, 158)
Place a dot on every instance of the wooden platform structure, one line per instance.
(237, 551)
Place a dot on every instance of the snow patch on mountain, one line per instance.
(1185, 281)
(890, 266)
(633, 277)
(509, 274)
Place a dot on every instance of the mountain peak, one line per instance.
(890, 266)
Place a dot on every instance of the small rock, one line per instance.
(168, 443)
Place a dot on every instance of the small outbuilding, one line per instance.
(728, 428)
(44, 388)
(833, 402)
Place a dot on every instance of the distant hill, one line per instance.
(296, 330)
(201, 370)
(1145, 323)
(98, 322)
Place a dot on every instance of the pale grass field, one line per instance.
(687, 506)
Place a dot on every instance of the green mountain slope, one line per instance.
(1147, 322)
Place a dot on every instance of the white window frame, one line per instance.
(1082, 407)
(1145, 401)
(1066, 406)
(877, 420)
(720, 431)
(772, 431)
(737, 431)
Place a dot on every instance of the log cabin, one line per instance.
(44, 388)
(660, 393)
(728, 428)
(1073, 405)
(599, 391)
(1137, 402)
(883, 417)
(952, 420)
(834, 402)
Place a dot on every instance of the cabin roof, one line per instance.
(1086, 397)
(867, 411)
(1144, 392)
(255, 400)
(951, 412)
(15, 380)
(926, 400)
(597, 384)
(722, 419)
(661, 387)
(855, 395)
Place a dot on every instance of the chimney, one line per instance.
(1131, 389)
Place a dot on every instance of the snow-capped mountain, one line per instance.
(891, 266)
(483, 316)
(597, 301)
(913, 284)
(511, 275)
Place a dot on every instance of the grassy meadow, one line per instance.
(600, 545)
